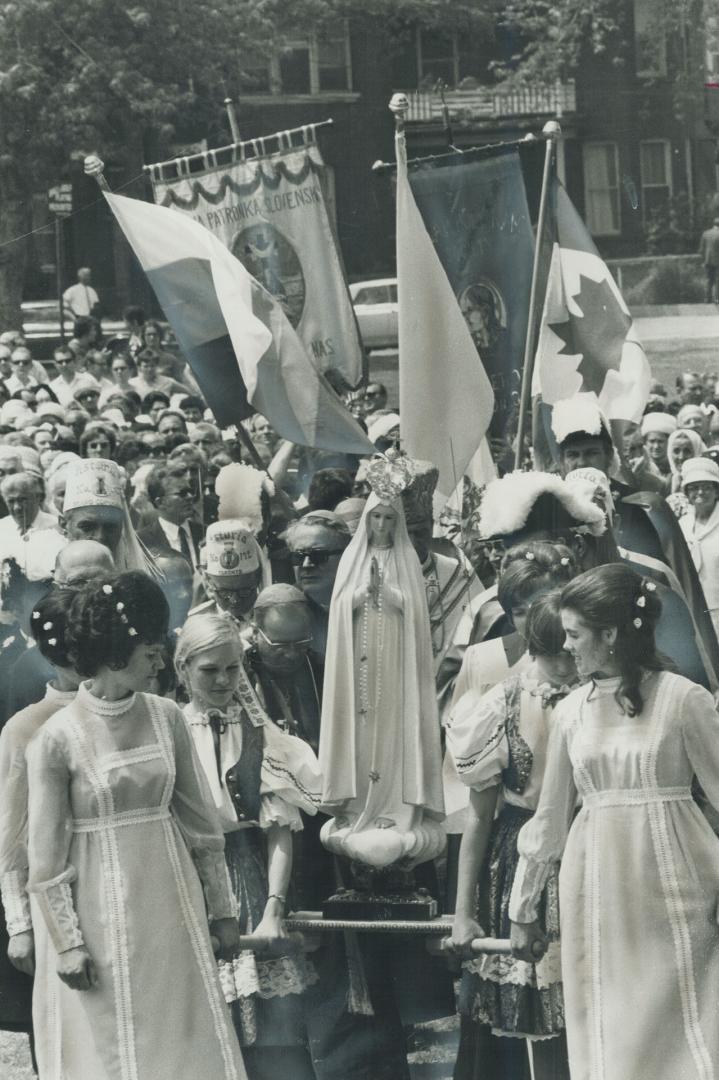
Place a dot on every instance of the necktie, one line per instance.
(185, 544)
(218, 727)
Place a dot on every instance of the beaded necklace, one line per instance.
(378, 603)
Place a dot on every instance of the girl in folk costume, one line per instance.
(379, 735)
(260, 779)
(48, 624)
(123, 838)
(639, 880)
(529, 570)
(498, 741)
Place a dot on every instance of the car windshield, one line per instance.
(377, 294)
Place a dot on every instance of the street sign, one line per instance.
(60, 199)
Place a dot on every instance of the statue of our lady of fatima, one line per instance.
(380, 736)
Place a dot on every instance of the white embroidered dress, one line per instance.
(639, 880)
(122, 825)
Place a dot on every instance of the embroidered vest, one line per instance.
(243, 779)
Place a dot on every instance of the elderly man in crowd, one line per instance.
(316, 543)
(77, 563)
(690, 388)
(81, 299)
(21, 532)
(22, 377)
(233, 571)
(95, 508)
(285, 675)
(207, 437)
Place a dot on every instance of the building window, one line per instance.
(650, 44)
(601, 188)
(655, 170)
(318, 63)
(437, 59)
(334, 70)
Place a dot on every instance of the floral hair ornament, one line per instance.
(36, 614)
(564, 561)
(641, 601)
(132, 631)
(107, 589)
(119, 607)
(650, 586)
(52, 641)
(638, 623)
(47, 626)
(529, 556)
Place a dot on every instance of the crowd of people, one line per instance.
(239, 676)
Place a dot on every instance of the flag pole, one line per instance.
(551, 131)
(95, 167)
(232, 118)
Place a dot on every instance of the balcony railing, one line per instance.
(490, 103)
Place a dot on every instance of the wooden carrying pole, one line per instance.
(551, 131)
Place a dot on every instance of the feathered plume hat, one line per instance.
(522, 501)
(240, 488)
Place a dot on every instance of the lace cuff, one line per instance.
(54, 898)
(529, 881)
(16, 902)
(212, 869)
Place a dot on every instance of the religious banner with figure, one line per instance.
(270, 211)
(474, 207)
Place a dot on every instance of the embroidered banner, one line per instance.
(270, 211)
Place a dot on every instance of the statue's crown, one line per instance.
(389, 474)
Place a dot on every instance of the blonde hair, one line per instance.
(202, 632)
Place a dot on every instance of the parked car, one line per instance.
(41, 327)
(375, 305)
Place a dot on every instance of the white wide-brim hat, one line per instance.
(699, 470)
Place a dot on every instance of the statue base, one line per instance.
(381, 895)
(377, 907)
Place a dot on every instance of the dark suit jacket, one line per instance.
(154, 539)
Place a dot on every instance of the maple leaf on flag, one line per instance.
(598, 334)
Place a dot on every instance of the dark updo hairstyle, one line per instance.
(614, 596)
(545, 633)
(111, 618)
(530, 567)
(49, 624)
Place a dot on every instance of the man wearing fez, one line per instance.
(316, 543)
(233, 571)
(95, 508)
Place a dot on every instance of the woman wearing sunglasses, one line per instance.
(260, 778)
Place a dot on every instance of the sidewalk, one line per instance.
(690, 322)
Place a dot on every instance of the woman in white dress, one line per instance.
(639, 880)
(47, 624)
(260, 779)
(123, 837)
